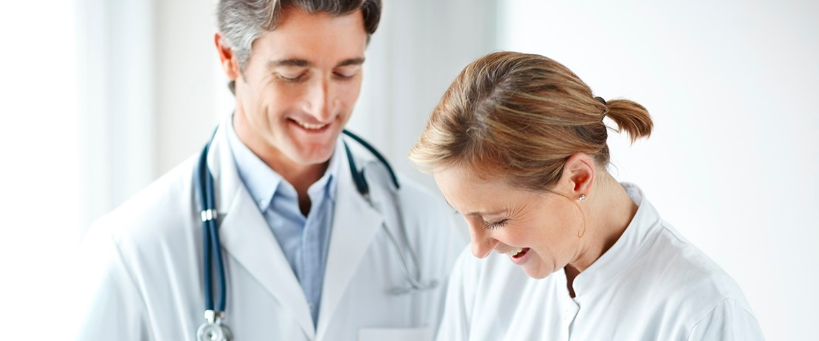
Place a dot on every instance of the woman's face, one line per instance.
(537, 231)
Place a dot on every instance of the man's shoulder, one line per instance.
(421, 195)
(428, 216)
(412, 195)
(423, 205)
(154, 211)
(423, 210)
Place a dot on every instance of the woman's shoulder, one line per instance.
(663, 261)
(686, 273)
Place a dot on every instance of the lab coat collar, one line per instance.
(246, 237)
(624, 250)
(355, 225)
(223, 169)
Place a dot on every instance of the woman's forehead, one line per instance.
(467, 191)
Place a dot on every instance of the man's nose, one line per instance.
(482, 243)
(321, 101)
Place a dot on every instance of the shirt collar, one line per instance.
(625, 249)
(330, 178)
(263, 182)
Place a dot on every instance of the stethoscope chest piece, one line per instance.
(213, 329)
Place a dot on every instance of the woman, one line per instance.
(518, 146)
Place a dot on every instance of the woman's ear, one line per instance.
(226, 57)
(578, 175)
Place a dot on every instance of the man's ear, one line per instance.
(578, 175)
(226, 57)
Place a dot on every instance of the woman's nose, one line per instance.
(482, 243)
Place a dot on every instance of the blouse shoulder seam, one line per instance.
(711, 312)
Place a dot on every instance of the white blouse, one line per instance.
(651, 285)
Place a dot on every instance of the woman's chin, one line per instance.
(538, 272)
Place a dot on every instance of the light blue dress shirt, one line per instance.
(304, 240)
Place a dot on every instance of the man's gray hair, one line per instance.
(242, 21)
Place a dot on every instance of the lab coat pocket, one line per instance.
(395, 334)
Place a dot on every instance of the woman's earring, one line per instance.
(582, 197)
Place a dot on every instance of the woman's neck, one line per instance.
(608, 212)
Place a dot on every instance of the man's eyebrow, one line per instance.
(351, 61)
(289, 62)
(305, 63)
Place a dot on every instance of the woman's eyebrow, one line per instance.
(476, 213)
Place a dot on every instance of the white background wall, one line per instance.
(100, 97)
(732, 87)
(39, 162)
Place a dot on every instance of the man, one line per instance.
(306, 255)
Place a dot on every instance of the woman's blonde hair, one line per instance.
(520, 117)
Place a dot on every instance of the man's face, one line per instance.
(299, 86)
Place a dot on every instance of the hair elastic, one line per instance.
(606, 110)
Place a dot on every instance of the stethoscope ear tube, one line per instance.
(358, 177)
(375, 153)
(214, 241)
(203, 208)
(210, 236)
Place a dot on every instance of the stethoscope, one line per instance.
(214, 328)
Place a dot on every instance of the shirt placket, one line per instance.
(311, 256)
(568, 316)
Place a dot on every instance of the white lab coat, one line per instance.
(651, 285)
(143, 263)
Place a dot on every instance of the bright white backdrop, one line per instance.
(100, 97)
(39, 165)
(732, 87)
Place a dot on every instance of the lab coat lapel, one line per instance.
(246, 237)
(355, 224)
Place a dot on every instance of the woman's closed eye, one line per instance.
(497, 224)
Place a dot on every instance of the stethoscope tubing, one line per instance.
(212, 245)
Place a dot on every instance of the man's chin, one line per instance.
(312, 156)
